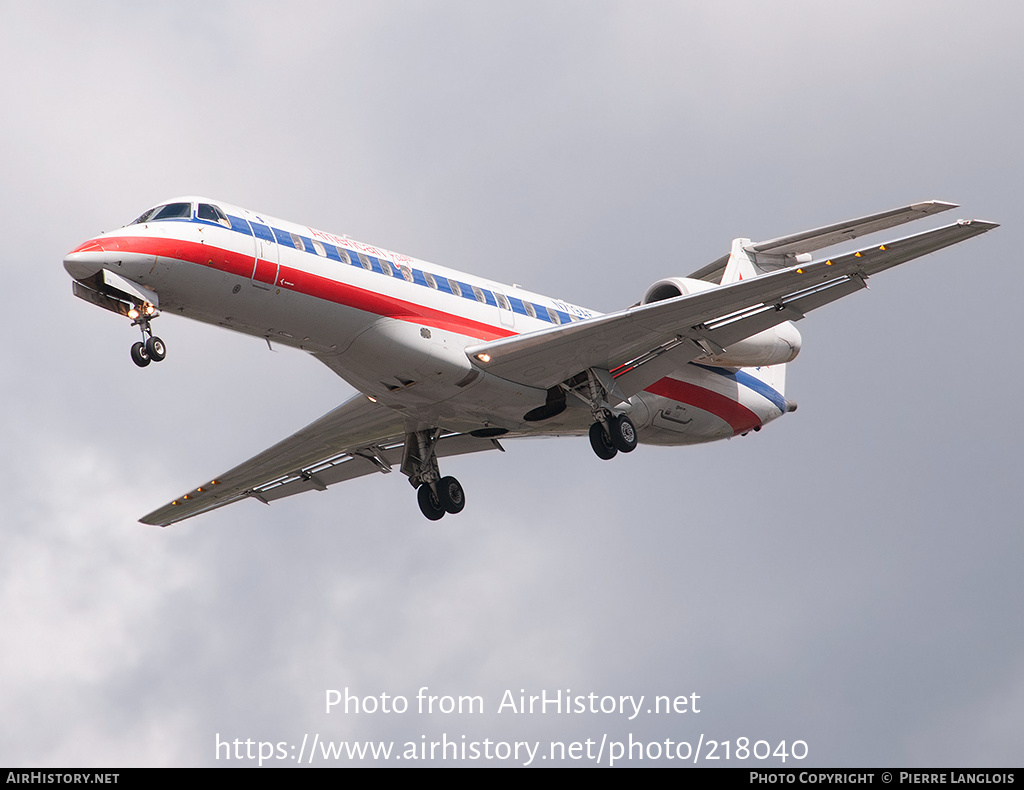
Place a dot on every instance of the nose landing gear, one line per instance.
(151, 348)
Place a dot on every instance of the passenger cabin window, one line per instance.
(553, 316)
(454, 287)
(212, 213)
(319, 249)
(386, 267)
(297, 242)
(430, 280)
(343, 255)
(529, 309)
(406, 273)
(365, 261)
(261, 231)
(479, 295)
(502, 301)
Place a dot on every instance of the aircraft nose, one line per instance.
(83, 261)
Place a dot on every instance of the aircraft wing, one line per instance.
(703, 323)
(357, 438)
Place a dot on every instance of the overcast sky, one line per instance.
(848, 577)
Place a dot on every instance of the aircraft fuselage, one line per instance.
(395, 327)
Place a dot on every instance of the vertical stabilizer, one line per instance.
(772, 375)
(741, 263)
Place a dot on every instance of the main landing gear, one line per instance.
(151, 348)
(612, 434)
(448, 498)
(436, 495)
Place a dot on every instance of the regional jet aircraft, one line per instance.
(445, 363)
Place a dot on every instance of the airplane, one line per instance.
(446, 363)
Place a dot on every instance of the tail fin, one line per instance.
(772, 375)
(741, 264)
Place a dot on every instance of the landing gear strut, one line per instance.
(151, 348)
(436, 495)
(610, 433)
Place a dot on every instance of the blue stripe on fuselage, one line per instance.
(744, 379)
(284, 238)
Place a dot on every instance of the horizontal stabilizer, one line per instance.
(782, 251)
(819, 238)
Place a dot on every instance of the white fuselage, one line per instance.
(395, 327)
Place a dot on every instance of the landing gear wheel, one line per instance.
(139, 355)
(602, 443)
(450, 495)
(156, 349)
(623, 433)
(429, 504)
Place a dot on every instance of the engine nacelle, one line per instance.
(671, 287)
(774, 346)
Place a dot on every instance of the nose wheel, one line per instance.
(156, 349)
(151, 348)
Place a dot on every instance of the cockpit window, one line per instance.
(169, 211)
(212, 213)
(173, 211)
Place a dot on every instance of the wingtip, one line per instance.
(933, 206)
(982, 224)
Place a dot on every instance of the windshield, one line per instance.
(168, 211)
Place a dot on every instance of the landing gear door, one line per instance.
(266, 267)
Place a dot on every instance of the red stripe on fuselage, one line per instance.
(301, 281)
(739, 417)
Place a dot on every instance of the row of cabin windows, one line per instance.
(211, 213)
(385, 267)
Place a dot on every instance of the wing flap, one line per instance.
(355, 425)
(359, 462)
(358, 438)
(721, 315)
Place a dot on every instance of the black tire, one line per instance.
(156, 349)
(139, 355)
(450, 495)
(602, 443)
(623, 433)
(429, 504)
